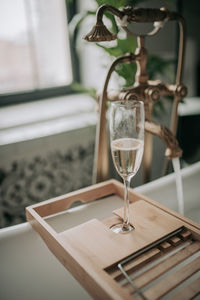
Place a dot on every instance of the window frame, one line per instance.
(46, 93)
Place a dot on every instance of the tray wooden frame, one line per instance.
(72, 247)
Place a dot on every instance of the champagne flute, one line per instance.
(127, 143)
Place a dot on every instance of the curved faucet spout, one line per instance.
(172, 146)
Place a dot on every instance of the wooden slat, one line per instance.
(171, 281)
(175, 240)
(185, 235)
(165, 246)
(133, 265)
(165, 265)
(188, 292)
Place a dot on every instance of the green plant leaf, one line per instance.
(127, 71)
(127, 45)
(123, 46)
(113, 51)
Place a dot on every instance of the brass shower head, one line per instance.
(99, 33)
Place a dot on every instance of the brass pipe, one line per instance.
(148, 149)
(101, 161)
(105, 7)
(141, 76)
(180, 91)
(178, 96)
(182, 40)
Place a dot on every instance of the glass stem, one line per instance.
(126, 220)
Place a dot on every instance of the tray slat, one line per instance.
(188, 292)
(175, 241)
(165, 246)
(164, 266)
(135, 264)
(171, 281)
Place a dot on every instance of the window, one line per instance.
(34, 47)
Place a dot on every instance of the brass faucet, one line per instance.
(143, 89)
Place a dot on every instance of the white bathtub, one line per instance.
(163, 190)
(28, 270)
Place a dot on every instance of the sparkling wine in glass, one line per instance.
(127, 144)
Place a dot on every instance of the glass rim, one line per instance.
(123, 102)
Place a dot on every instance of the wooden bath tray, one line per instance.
(160, 258)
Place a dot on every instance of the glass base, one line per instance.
(122, 228)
